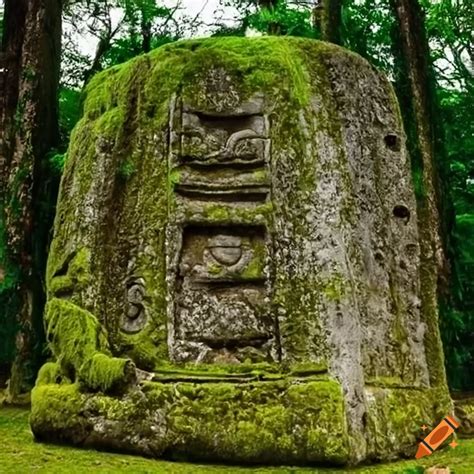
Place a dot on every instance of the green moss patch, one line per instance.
(76, 339)
(271, 422)
(266, 422)
(71, 274)
(54, 407)
(395, 416)
(464, 410)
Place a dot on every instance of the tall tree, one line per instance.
(274, 17)
(416, 87)
(330, 12)
(268, 7)
(121, 29)
(30, 57)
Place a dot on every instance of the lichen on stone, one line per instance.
(236, 197)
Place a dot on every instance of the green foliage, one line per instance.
(367, 26)
(123, 29)
(283, 20)
(449, 24)
(458, 322)
(141, 19)
(8, 273)
(56, 162)
(128, 47)
(126, 170)
(143, 11)
(224, 30)
(69, 111)
(458, 120)
(9, 302)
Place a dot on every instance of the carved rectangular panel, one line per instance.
(222, 298)
(219, 252)
(209, 140)
(223, 254)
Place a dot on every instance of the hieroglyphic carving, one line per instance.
(220, 257)
(219, 293)
(208, 139)
(135, 316)
(221, 289)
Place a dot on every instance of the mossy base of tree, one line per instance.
(288, 421)
(6, 398)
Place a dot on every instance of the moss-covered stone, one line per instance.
(227, 226)
(395, 416)
(75, 338)
(464, 411)
(50, 373)
(270, 422)
(103, 373)
(54, 407)
(66, 276)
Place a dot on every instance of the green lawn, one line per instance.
(19, 454)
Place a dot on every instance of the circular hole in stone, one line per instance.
(411, 250)
(379, 256)
(401, 212)
(151, 111)
(393, 142)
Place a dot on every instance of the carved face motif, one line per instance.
(226, 249)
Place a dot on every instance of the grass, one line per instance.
(20, 454)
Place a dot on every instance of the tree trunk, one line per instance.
(28, 131)
(273, 27)
(146, 36)
(267, 3)
(330, 15)
(415, 84)
(102, 48)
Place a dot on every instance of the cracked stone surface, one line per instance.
(226, 213)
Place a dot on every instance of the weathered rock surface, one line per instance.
(235, 272)
(464, 411)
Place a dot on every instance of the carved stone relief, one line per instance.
(135, 316)
(222, 294)
(223, 139)
(220, 290)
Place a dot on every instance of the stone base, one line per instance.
(289, 421)
(395, 416)
(464, 411)
(265, 422)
